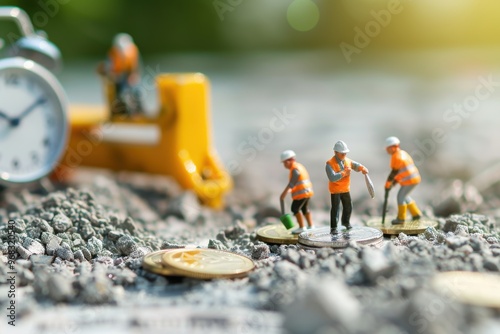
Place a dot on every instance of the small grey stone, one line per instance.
(462, 231)
(25, 254)
(216, 244)
(170, 245)
(451, 224)
(492, 240)
(66, 245)
(126, 245)
(291, 255)
(78, 243)
(221, 236)
(53, 245)
(79, 255)
(140, 252)
(94, 245)
(64, 253)
(45, 260)
(431, 234)
(19, 225)
(61, 223)
(235, 232)
(114, 235)
(64, 237)
(86, 229)
(34, 232)
(44, 225)
(491, 264)
(86, 254)
(46, 237)
(456, 242)
(260, 252)
(129, 225)
(33, 246)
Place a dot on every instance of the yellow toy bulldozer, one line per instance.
(176, 142)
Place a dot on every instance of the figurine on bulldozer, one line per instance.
(122, 76)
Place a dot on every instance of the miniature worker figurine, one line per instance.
(406, 174)
(338, 170)
(122, 68)
(301, 188)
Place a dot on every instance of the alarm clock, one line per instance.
(33, 109)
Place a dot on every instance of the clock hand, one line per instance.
(15, 121)
(2, 114)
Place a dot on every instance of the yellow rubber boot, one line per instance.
(401, 215)
(414, 210)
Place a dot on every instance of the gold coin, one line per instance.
(277, 234)
(153, 262)
(207, 263)
(409, 227)
(481, 289)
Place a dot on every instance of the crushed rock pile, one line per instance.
(72, 249)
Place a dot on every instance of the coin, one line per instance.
(153, 262)
(481, 289)
(277, 234)
(207, 263)
(410, 227)
(321, 237)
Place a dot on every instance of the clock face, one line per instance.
(33, 121)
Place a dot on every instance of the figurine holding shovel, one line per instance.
(301, 188)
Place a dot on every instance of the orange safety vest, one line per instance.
(344, 184)
(124, 61)
(407, 171)
(303, 187)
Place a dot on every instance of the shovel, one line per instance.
(286, 219)
(369, 186)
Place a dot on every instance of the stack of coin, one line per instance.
(321, 237)
(277, 234)
(410, 227)
(198, 263)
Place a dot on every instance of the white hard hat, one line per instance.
(122, 40)
(285, 155)
(340, 147)
(391, 141)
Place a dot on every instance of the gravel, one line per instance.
(81, 248)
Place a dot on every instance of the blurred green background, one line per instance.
(84, 28)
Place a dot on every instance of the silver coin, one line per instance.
(321, 237)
